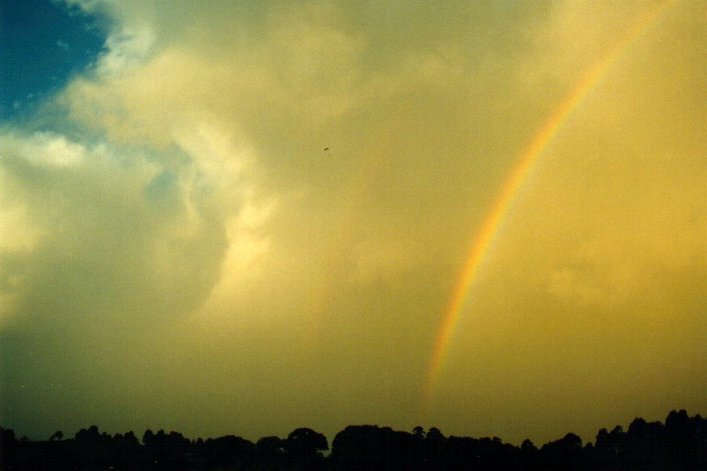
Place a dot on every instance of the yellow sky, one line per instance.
(178, 251)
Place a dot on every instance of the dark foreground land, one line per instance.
(678, 444)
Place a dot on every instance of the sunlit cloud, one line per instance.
(173, 229)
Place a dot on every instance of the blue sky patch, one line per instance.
(42, 44)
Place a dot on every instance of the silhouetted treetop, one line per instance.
(680, 443)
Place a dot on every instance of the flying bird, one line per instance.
(326, 149)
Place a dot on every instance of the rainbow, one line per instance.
(510, 189)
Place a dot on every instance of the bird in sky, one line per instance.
(326, 149)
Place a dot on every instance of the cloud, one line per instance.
(602, 211)
(171, 229)
(600, 263)
(100, 234)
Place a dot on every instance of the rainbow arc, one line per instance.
(511, 187)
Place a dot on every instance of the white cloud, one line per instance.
(43, 149)
(125, 50)
(194, 186)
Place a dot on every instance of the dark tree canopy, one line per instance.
(678, 444)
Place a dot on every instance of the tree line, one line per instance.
(680, 443)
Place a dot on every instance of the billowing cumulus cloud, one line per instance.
(103, 230)
(175, 238)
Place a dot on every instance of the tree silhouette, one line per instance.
(304, 448)
(270, 452)
(419, 432)
(528, 446)
(228, 451)
(678, 444)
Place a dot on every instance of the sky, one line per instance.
(43, 44)
(247, 217)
